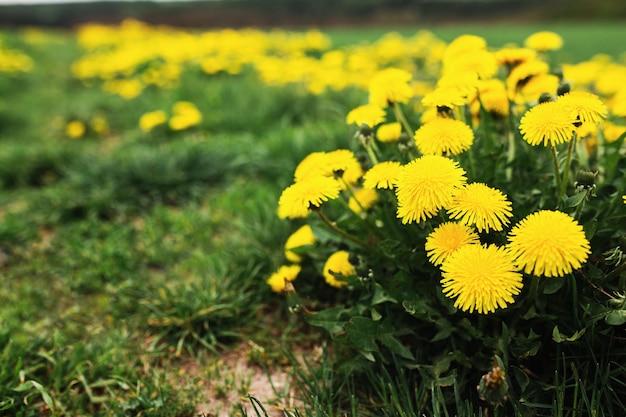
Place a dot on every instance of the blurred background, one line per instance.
(294, 13)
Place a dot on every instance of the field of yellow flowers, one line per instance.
(402, 225)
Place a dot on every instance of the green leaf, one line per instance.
(389, 247)
(553, 285)
(329, 319)
(395, 346)
(574, 200)
(590, 228)
(616, 317)
(362, 332)
(45, 396)
(381, 296)
(559, 337)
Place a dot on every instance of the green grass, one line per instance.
(124, 258)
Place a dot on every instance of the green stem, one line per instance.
(557, 173)
(340, 232)
(510, 155)
(566, 168)
(400, 117)
(581, 205)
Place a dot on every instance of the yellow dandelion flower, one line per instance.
(150, 120)
(482, 278)
(296, 200)
(368, 114)
(612, 132)
(624, 198)
(548, 123)
(544, 41)
(480, 62)
(382, 175)
(587, 106)
(618, 103)
(340, 163)
(389, 132)
(481, 206)
(338, 264)
(535, 86)
(362, 200)
(75, 129)
(185, 115)
(446, 239)
(284, 274)
(462, 45)
(302, 237)
(521, 74)
(425, 185)
(390, 85)
(449, 96)
(549, 243)
(493, 97)
(512, 56)
(443, 136)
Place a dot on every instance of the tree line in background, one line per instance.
(238, 13)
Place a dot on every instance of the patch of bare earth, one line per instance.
(227, 381)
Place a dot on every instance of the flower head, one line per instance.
(389, 132)
(185, 115)
(549, 123)
(382, 175)
(297, 199)
(284, 274)
(481, 206)
(588, 107)
(150, 120)
(446, 239)
(338, 264)
(449, 96)
(548, 243)
(302, 237)
(363, 199)
(482, 278)
(544, 41)
(75, 129)
(340, 163)
(425, 185)
(443, 136)
(512, 56)
(368, 114)
(390, 85)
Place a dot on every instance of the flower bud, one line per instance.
(493, 387)
(564, 88)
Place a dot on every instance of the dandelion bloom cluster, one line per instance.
(482, 278)
(296, 200)
(446, 239)
(389, 86)
(382, 175)
(367, 114)
(549, 122)
(425, 185)
(338, 264)
(481, 206)
(443, 136)
(285, 273)
(302, 237)
(548, 243)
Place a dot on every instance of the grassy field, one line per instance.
(134, 263)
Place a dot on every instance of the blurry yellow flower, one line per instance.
(618, 103)
(521, 74)
(480, 62)
(368, 114)
(150, 120)
(425, 185)
(185, 115)
(338, 264)
(493, 97)
(588, 107)
(390, 85)
(75, 129)
(482, 278)
(302, 237)
(511, 56)
(612, 132)
(445, 97)
(389, 132)
(382, 175)
(99, 125)
(285, 273)
(544, 41)
(548, 243)
(127, 89)
(624, 198)
(443, 136)
(462, 45)
(548, 123)
(296, 200)
(340, 163)
(362, 200)
(535, 86)
(480, 206)
(446, 239)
